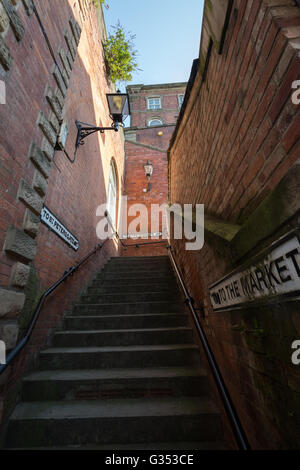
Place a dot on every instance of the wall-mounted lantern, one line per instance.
(148, 172)
(119, 109)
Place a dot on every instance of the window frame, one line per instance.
(153, 107)
(112, 194)
(155, 119)
(179, 96)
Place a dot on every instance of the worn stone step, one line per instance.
(138, 259)
(125, 281)
(130, 308)
(171, 289)
(139, 262)
(114, 383)
(87, 322)
(120, 356)
(123, 337)
(128, 297)
(135, 274)
(108, 421)
(164, 268)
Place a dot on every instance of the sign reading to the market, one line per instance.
(56, 226)
(275, 273)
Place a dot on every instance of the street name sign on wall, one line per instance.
(274, 273)
(49, 219)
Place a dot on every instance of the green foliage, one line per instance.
(120, 56)
(97, 3)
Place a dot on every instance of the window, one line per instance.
(112, 195)
(155, 122)
(154, 103)
(180, 100)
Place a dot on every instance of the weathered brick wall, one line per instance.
(236, 140)
(149, 144)
(169, 102)
(41, 92)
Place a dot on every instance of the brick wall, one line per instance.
(43, 89)
(237, 139)
(144, 143)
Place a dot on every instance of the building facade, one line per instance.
(53, 73)
(236, 150)
(154, 113)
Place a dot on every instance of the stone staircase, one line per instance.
(124, 373)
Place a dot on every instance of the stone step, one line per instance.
(141, 259)
(114, 383)
(120, 356)
(123, 337)
(35, 424)
(171, 289)
(87, 322)
(135, 274)
(124, 281)
(165, 268)
(130, 308)
(140, 262)
(129, 297)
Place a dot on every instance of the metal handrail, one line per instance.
(236, 426)
(18, 348)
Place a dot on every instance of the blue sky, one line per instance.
(167, 36)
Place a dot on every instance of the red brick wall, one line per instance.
(238, 137)
(74, 190)
(151, 143)
(169, 103)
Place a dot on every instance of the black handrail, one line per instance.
(15, 352)
(234, 420)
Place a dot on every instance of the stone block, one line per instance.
(29, 197)
(54, 103)
(39, 183)
(65, 62)
(11, 303)
(4, 20)
(46, 128)
(20, 275)
(19, 245)
(70, 59)
(60, 98)
(39, 160)
(5, 55)
(54, 122)
(9, 332)
(28, 5)
(15, 20)
(70, 41)
(47, 149)
(59, 80)
(76, 33)
(31, 223)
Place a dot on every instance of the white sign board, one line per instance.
(56, 226)
(273, 274)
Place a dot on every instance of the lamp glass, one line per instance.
(118, 104)
(148, 169)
